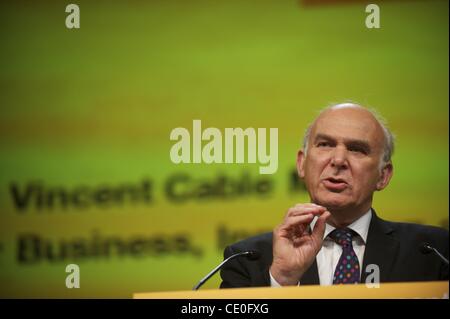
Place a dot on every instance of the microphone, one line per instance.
(250, 254)
(426, 248)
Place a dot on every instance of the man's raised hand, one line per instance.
(294, 246)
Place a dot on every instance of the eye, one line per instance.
(323, 144)
(357, 149)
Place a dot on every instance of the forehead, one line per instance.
(349, 123)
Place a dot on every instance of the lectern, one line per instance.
(435, 290)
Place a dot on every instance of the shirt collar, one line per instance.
(360, 226)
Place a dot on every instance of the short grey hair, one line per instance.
(389, 138)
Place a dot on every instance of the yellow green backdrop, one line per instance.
(89, 111)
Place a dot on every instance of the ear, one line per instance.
(301, 163)
(386, 174)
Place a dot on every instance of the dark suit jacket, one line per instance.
(394, 247)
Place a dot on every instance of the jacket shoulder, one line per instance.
(414, 229)
(253, 243)
(241, 272)
(418, 233)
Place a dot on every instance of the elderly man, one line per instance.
(331, 240)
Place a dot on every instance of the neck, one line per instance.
(341, 218)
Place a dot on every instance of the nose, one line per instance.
(339, 158)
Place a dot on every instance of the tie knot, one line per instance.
(342, 236)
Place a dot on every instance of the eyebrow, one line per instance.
(363, 144)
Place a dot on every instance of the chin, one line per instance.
(333, 201)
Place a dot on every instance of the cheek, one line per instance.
(312, 175)
(315, 165)
(366, 177)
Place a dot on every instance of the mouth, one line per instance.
(335, 184)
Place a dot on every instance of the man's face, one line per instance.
(341, 168)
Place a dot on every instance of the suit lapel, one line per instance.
(381, 248)
(311, 276)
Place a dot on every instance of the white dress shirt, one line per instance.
(328, 256)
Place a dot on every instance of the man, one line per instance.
(331, 240)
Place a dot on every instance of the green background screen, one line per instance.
(89, 111)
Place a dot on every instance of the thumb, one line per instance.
(319, 227)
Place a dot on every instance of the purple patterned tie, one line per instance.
(347, 269)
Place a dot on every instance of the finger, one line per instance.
(296, 211)
(295, 221)
(308, 205)
(319, 227)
